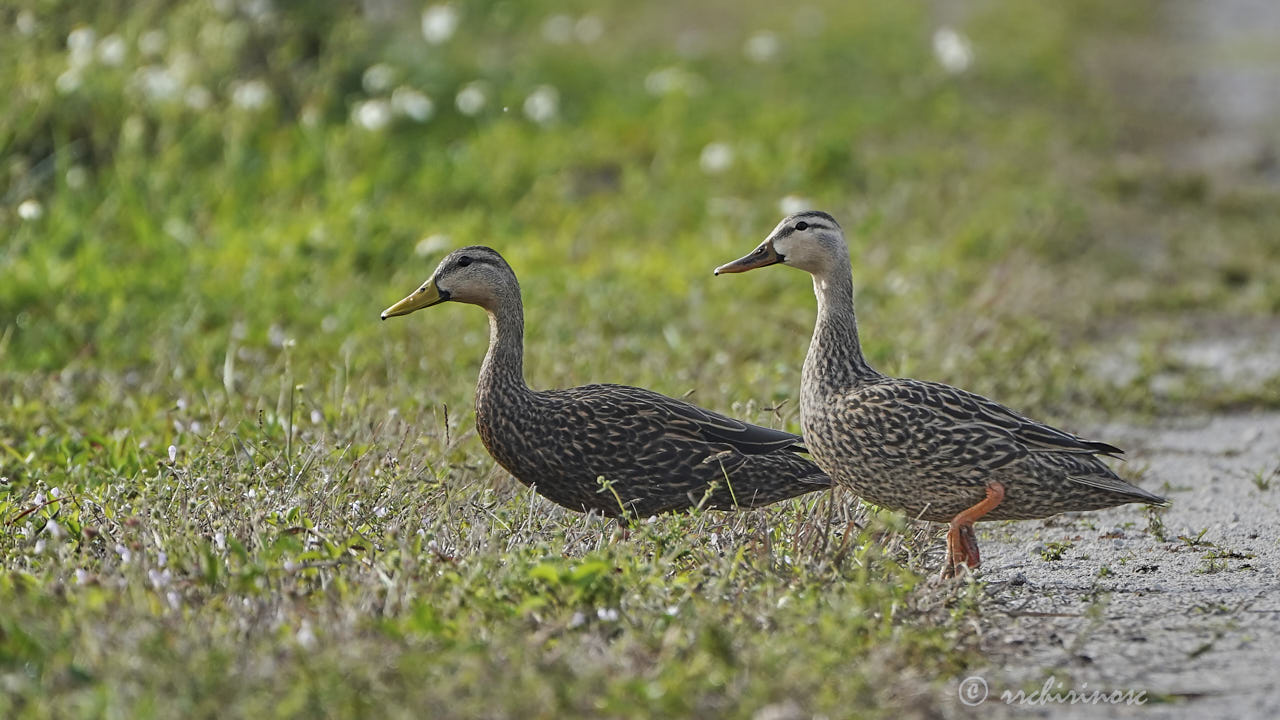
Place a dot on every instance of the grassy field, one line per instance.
(228, 490)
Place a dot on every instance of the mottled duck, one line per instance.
(618, 450)
(931, 450)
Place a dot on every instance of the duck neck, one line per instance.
(502, 372)
(835, 354)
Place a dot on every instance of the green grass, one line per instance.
(330, 539)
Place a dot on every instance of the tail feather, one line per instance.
(1111, 483)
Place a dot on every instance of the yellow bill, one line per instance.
(425, 296)
(762, 256)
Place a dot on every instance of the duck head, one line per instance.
(477, 275)
(810, 240)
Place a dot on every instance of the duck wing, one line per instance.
(963, 406)
(944, 428)
(690, 421)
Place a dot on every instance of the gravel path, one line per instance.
(1188, 613)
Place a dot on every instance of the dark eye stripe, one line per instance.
(807, 226)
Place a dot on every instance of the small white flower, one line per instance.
(762, 47)
(156, 82)
(251, 95)
(378, 78)
(317, 417)
(159, 578)
(588, 29)
(577, 620)
(182, 232)
(794, 204)
(543, 104)
(174, 600)
(412, 104)
(41, 544)
(305, 636)
(669, 80)
(953, 50)
(291, 566)
(184, 66)
(111, 50)
(82, 576)
(471, 99)
(220, 540)
(54, 530)
(173, 453)
(372, 115)
(431, 244)
(68, 82)
(30, 209)
(25, 23)
(439, 23)
(558, 29)
(607, 614)
(276, 335)
(125, 554)
(716, 158)
(380, 511)
(80, 44)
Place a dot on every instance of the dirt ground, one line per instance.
(1183, 605)
(1187, 612)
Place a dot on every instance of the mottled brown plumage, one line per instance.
(656, 454)
(931, 450)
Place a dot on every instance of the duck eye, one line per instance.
(802, 225)
(464, 261)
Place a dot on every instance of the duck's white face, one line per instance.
(811, 240)
(476, 275)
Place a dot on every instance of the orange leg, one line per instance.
(962, 543)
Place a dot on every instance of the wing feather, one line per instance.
(686, 419)
(1034, 436)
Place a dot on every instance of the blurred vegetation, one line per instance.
(205, 205)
